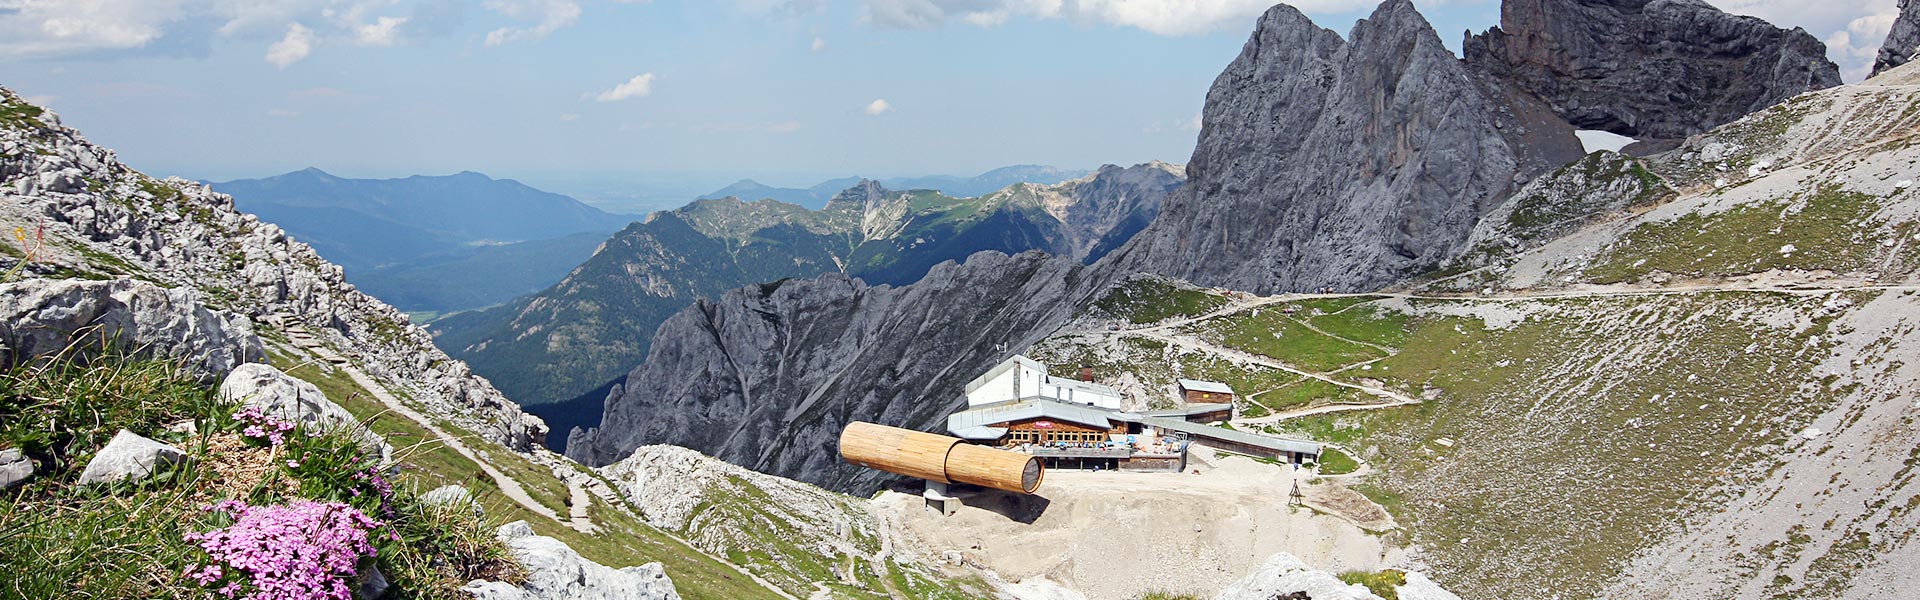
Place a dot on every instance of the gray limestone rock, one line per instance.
(766, 376)
(40, 317)
(102, 218)
(1660, 69)
(372, 584)
(1348, 164)
(1285, 576)
(258, 385)
(556, 572)
(1903, 42)
(128, 456)
(15, 468)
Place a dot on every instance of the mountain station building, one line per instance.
(1077, 424)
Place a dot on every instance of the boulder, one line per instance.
(1284, 575)
(1419, 587)
(556, 572)
(372, 584)
(40, 317)
(294, 400)
(128, 455)
(15, 468)
(450, 495)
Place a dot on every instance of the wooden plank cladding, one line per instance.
(994, 468)
(895, 450)
(938, 458)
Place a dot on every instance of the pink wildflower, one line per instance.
(302, 551)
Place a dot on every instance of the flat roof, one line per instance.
(975, 423)
(1197, 385)
(1083, 385)
(1231, 435)
(1016, 360)
(1196, 408)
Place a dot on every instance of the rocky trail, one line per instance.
(510, 487)
(1168, 331)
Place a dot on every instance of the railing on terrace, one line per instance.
(1079, 452)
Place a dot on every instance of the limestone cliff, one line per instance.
(1903, 42)
(765, 376)
(1349, 164)
(1661, 70)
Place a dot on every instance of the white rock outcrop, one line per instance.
(291, 399)
(99, 216)
(43, 316)
(1285, 574)
(556, 572)
(15, 468)
(128, 456)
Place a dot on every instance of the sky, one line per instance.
(640, 104)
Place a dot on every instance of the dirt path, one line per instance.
(509, 487)
(1265, 361)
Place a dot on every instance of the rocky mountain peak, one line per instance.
(1662, 70)
(862, 194)
(1903, 42)
(1344, 163)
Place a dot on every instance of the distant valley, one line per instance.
(595, 324)
(432, 244)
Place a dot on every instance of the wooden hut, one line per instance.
(938, 458)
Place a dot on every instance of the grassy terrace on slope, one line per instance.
(1565, 418)
(1830, 229)
(1143, 300)
(622, 541)
(1534, 215)
(780, 544)
(128, 539)
(1156, 365)
(1269, 331)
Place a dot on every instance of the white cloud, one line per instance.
(819, 43)
(383, 31)
(282, 113)
(58, 27)
(778, 7)
(549, 16)
(1163, 17)
(640, 85)
(569, 117)
(116, 28)
(784, 127)
(293, 48)
(879, 107)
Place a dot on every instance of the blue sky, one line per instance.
(641, 104)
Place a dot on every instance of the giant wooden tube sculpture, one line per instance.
(935, 457)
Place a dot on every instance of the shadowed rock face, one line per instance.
(1664, 69)
(1903, 42)
(1343, 163)
(767, 375)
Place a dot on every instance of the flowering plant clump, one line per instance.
(382, 488)
(261, 426)
(301, 551)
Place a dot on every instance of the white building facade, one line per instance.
(1021, 378)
